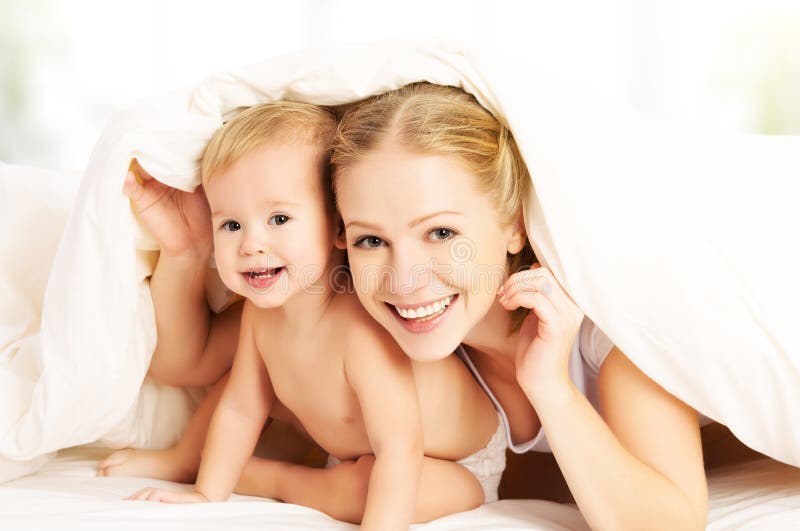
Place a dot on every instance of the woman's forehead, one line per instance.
(402, 183)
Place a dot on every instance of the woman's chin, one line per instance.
(427, 350)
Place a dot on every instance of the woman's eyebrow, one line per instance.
(421, 219)
(412, 224)
(364, 225)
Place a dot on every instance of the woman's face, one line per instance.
(426, 248)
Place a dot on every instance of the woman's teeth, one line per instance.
(427, 311)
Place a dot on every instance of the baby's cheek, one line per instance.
(228, 280)
(226, 271)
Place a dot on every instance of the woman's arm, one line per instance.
(194, 347)
(638, 467)
(641, 468)
(183, 318)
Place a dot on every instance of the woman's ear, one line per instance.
(339, 240)
(516, 236)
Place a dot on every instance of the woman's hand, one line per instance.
(548, 333)
(168, 496)
(180, 221)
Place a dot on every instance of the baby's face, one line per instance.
(272, 232)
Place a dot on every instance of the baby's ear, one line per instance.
(516, 236)
(339, 239)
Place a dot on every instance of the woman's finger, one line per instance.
(559, 295)
(526, 283)
(542, 280)
(140, 172)
(132, 187)
(536, 301)
(522, 279)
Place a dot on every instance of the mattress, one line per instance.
(65, 494)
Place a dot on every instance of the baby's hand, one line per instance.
(180, 221)
(168, 496)
(546, 337)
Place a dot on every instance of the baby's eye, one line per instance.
(278, 219)
(370, 242)
(441, 234)
(231, 226)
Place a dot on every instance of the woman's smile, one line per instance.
(423, 318)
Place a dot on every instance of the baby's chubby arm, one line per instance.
(382, 377)
(239, 418)
(235, 426)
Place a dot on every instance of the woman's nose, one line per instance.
(411, 268)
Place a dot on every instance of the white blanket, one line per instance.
(681, 247)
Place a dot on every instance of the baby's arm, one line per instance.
(240, 416)
(235, 426)
(382, 377)
(181, 222)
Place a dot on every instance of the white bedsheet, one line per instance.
(65, 494)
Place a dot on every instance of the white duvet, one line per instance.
(680, 246)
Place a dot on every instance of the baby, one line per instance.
(409, 441)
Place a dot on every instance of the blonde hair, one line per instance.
(281, 120)
(448, 121)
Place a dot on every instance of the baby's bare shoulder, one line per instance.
(362, 336)
(355, 322)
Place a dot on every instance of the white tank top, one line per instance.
(588, 353)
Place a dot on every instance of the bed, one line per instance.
(65, 494)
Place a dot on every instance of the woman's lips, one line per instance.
(262, 279)
(431, 315)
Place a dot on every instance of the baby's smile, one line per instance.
(262, 278)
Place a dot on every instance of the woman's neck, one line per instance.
(490, 338)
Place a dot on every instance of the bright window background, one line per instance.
(67, 65)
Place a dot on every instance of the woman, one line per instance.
(430, 189)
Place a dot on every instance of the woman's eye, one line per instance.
(441, 234)
(369, 242)
(278, 219)
(231, 226)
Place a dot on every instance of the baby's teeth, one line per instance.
(412, 314)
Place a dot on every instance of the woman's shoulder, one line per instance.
(594, 344)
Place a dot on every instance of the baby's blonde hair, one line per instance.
(448, 121)
(285, 121)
